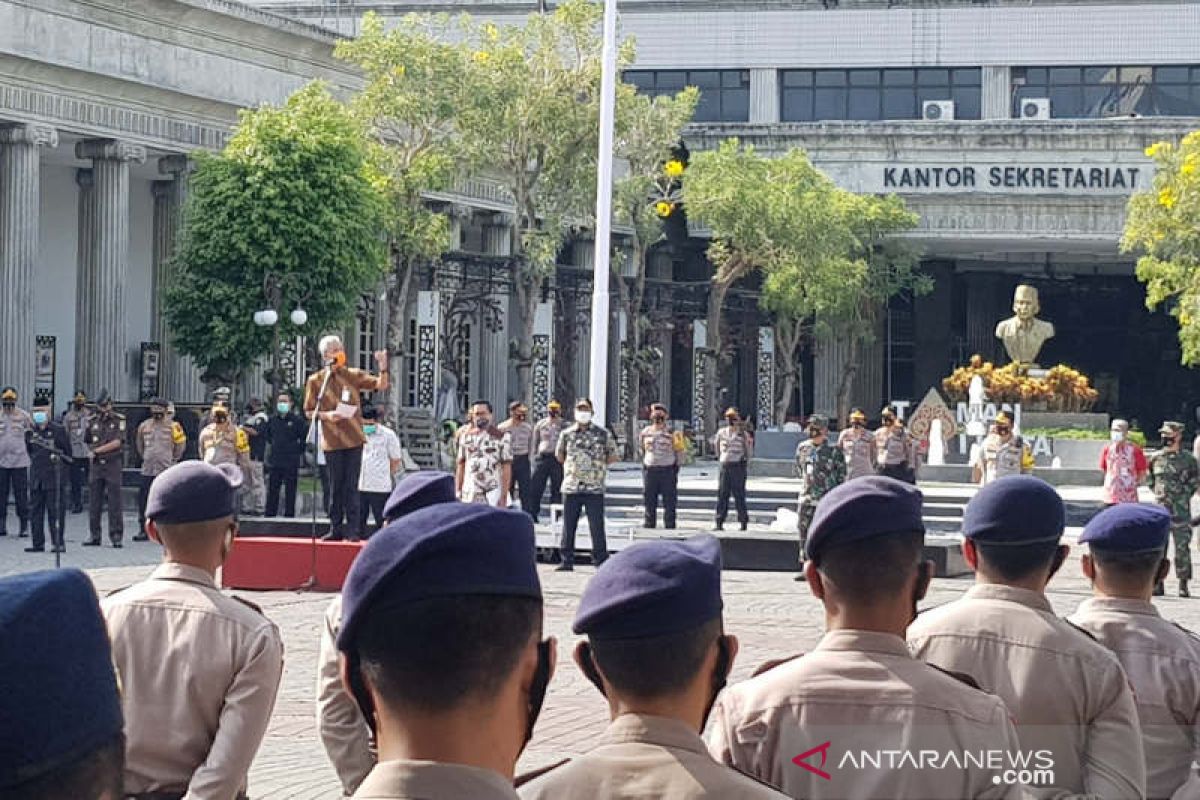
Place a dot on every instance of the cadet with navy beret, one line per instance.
(61, 733)
(1127, 554)
(1067, 693)
(200, 669)
(657, 651)
(442, 648)
(862, 689)
(344, 732)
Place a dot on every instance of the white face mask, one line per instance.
(1117, 436)
(583, 416)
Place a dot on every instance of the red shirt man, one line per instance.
(1123, 464)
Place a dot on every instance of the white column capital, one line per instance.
(110, 150)
(23, 133)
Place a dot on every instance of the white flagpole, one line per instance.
(598, 380)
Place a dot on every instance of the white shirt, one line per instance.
(381, 449)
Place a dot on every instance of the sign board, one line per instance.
(44, 360)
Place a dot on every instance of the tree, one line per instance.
(415, 80)
(532, 116)
(647, 132)
(285, 216)
(1164, 224)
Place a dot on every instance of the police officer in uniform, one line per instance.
(734, 445)
(14, 459)
(546, 466)
(1174, 477)
(1127, 555)
(861, 688)
(1067, 693)
(520, 443)
(1002, 453)
(77, 419)
(454, 699)
(821, 467)
(656, 649)
(660, 468)
(858, 444)
(48, 443)
(105, 440)
(199, 669)
(160, 442)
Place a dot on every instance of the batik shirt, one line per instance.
(585, 452)
(821, 469)
(483, 454)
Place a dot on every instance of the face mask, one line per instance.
(8, 405)
(339, 360)
(857, 423)
(659, 418)
(78, 405)
(39, 417)
(1003, 431)
(520, 418)
(158, 414)
(221, 417)
(283, 408)
(1168, 441)
(583, 416)
(481, 422)
(368, 429)
(1116, 436)
(554, 412)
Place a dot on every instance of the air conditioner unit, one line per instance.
(1035, 108)
(937, 109)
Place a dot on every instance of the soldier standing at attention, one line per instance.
(1066, 692)
(1003, 453)
(199, 669)
(1174, 477)
(160, 442)
(45, 478)
(483, 466)
(547, 468)
(14, 459)
(660, 468)
(657, 650)
(858, 444)
(821, 467)
(520, 442)
(105, 440)
(861, 687)
(77, 419)
(1127, 555)
(734, 445)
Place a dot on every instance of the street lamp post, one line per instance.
(598, 379)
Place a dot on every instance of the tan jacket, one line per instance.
(429, 780)
(344, 732)
(643, 757)
(1162, 661)
(199, 671)
(858, 696)
(1067, 693)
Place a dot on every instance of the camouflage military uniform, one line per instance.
(1174, 477)
(821, 469)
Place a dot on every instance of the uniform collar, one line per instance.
(172, 571)
(1013, 594)
(662, 731)
(868, 641)
(431, 779)
(1122, 604)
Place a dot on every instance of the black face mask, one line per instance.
(659, 418)
(9, 405)
(221, 417)
(78, 405)
(481, 422)
(159, 414)
(553, 413)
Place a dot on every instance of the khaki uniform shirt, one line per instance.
(430, 780)
(13, 426)
(343, 730)
(199, 671)
(1162, 661)
(733, 446)
(345, 385)
(1067, 693)
(858, 693)
(76, 423)
(859, 446)
(658, 447)
(1001, 458)
(546, 432)
(103, 429)
(160, 444)
(520, 436)
(225, 445)
(647, 757)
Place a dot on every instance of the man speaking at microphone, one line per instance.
(338, 419)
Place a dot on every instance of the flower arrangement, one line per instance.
(1061, 389)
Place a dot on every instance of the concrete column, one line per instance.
(996, 101)
(85, 273)
(102, 343)
(180, 376)
(493, 345)
(764, 95)
(20, 198)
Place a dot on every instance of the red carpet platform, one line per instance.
(273, 562)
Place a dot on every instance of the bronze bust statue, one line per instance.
(1024, 334)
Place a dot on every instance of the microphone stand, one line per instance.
(58, 513)
(314, 440)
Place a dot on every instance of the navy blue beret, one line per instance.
(56, 674)
(194, 491)
(1128, 528)
(1018, 509)
(444, 550)
(417, 490)
(653, 589)
(864, 508)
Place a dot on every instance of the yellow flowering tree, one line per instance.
(1163, 225)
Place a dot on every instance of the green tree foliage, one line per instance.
(1163, 224)
(286, 215)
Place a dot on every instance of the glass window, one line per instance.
(933, 77)
(735, 79)
(876, 94)
(797, 105)
(966, 77)
(899, 77)
(1064, 75)
(863, 104)
(1108, 91)
(670, 79)
(829, 104)
(797, 77)
(864, 77)
(704, 80)
(831, 77)
(1170, 74)
(724, 94)
(899, 103)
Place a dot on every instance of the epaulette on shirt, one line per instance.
(248, 604)
(526, 777)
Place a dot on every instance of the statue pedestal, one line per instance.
(1062, 419)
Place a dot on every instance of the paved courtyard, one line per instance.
(769, 612)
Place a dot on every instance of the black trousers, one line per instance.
(522, 480)
(45, 503)
(732, 480)
(79, 471)
(660, 481)
(285, 478)
(901, 472)
(18, 479)
(573, 506)
(373, 503)
(546, 468)
(343, 467)
(144, 482)
(104, 483)
(323, 474)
